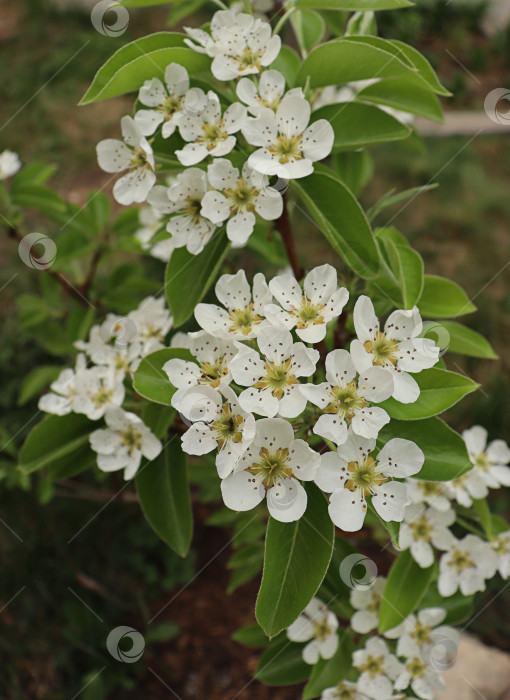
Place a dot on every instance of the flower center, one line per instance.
(321, 629)
(277, 378)
(170, 106)
(243, 320)
(500, 546)
(272, 466)
(242, 197)
(287, 148)
(482, 462)
(212, 372)
(309, 314)
(383, 349)
(421, 528)
(192, 209)
(102, 396)
(416, 667)
(421, 633)
(227, 427)
(211, 134)
(249, 59)
(342, 692)
(139, 159)
(373, 665)
(364, 477)
(131, 439)
(461, 560)
(345, 401)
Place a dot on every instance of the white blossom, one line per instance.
(273, 381)
(367, 603)
(134, 154)
(209, 133)
(271, 467)
(239, 44)
(378, 669)
(151, 221)
(152, 321)
(501, 546)
(424, 528)
(9, 164)
(288, 147)
(183, 199)
(98, 389)
(344, 690)
(238, 198)
(318, 624)
(353, 474)
(397, 348)
(63, 397)
(167, 101)
(423, 635)
(123, 443)
(104, 348)
(310, 309)
(243, 315)
(212, 356)
(433, 493)
(218, 424)
(490, 461)
(345, 401)
(467, 487)
(466, 566)
(267, 95)
(418, 675)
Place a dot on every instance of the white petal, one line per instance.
(366, 322)
(286, 500)
(400, 458)
(347, 510)
(113, 155)
(318, 140)
(241, 492)
(390, 501)
(406, 390)
(292, 116)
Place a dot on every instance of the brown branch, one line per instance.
(92, 271)
(284, 226)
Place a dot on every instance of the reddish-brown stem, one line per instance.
(284, 226)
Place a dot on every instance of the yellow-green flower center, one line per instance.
(374, 665)
(212, 372)
(277, 378)
(345, 401)
(192, 208)
(272, 466)
(287, 148)
(170, 106)
(132, 439)
(422, 529)
(482, 462)
(421, 633)
(212, 134)
(460, 560)
(243, 320)
(364, 477)
(416, 667)
(383, 349)
(308, 314)
(102, 396)
(227, 427)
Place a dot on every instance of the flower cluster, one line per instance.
(253, 392)
(274, 124)
(96, 387)
(410, 659)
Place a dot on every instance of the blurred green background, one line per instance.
(60, 599)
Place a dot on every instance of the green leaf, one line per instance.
(407, 94)
(40, 198)
(162, 487)
(458, 608)
(309, 27)
(388, 199)
(356, 58)
(357, 125)
(296, 559)
(151, 382)
(268, 245)
(406, 265)
(354, 5)
(37, 380)
(338, 215)
(188, 277)
(35, 173)
(439, 391)
(250, 636)
(282, 664)
(354, 168)
(466, 341)
(287, 62)
(326, 673)
(406, 585)
(442, 298)
(446, 456)
(163, 632)
(142, 60)
(483, 513)
(158, 418)
(59, 442)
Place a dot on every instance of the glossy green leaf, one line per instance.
(406, 585)
(466, 341)
(354, 168)
(355, 58)
(162, 486)
(354, 5)
(328, 672)
(296, 559)
(37, 380)
(357, 125)
(446, 456)
(442, 298)
(406, 265)
(250, 636)
(287, 62)
(282, 664)
(142, 60)
(338, 215)
(309, 27)
(188, 277)
(483, 513)
(151, 382)
(407, 94)
(439, 391)
(60, 443)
